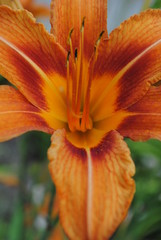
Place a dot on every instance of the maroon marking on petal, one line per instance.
(141, 127)
(79, 152)
(53, 61)
(104, 147)
(29, 82)
(135, 82)
(125, 55)
(43, 126)
(113, 60)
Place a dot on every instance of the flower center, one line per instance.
(79, 80)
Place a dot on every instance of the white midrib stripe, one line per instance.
(6, 112)
(89, 193)
(36, 67)
(146, 114)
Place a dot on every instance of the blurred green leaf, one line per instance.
(144, 225)
(144, 219)
(152, 147)
(156, 4)
(17, 224)
(3, 229)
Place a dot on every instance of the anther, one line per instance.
(82, 27)
(68, 56)
(76, 54)
(69, 42)
(70, 35)
(101, 34)
(98, 40)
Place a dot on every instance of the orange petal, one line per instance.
(127, 64)
(38, 10)
(112, 122)
(32, 61)
(145, 122)
(17, 115)
(26, 2)
(57, 233)
(14, 4)
(94, 186)
(68, 14)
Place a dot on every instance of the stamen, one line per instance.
(99, 38)
(70, 42)
(68, 91)
(74, 78)
(98, 42)
(86, 121)
(77, 119)
(81, 68)
(68, 56)
(76, 54)
(82, 27)
(74, 83)
(67, 64)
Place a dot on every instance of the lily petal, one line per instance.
(32, 61)
(14, 4)
(17, 115)
(128, 63)
(38, 10)
(68, 14)
(57, 233)
(94, 186)
(144, 123)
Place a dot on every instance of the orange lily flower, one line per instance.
(87, 99)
